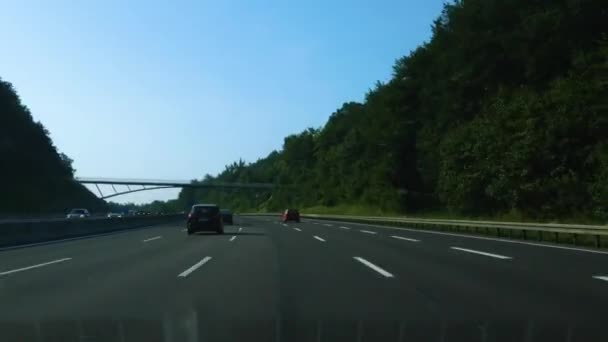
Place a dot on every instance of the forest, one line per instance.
(501, 113)
(36, 178)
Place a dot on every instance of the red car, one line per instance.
(290, 215)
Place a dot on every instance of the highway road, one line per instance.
(310, 281)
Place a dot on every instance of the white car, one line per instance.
(115, 215)
(78, 213)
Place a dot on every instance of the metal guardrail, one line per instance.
(575, 234)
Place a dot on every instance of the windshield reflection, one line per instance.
(190, 327)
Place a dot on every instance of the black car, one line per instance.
(205, 217)
(226, 216)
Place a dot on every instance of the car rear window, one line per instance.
(78, 211)
(207, 211)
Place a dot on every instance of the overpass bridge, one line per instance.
(136, 185)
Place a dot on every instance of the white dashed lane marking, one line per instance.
(404, 238)
(604, 278)
(194, 267)
(374, 267)
(152, 238)
(34, 266)
(497, 256)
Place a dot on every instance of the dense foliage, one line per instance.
(36, 179)
(504, 110)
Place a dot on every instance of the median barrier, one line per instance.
(20, 232)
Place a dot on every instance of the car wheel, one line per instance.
(190, 230)
(220, 231)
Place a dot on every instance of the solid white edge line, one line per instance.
(232, 238)
(298, 229)
(577, 249)
(404, 238)
(194, 267)
(342, 227)
(319, 238)
(374, 267)
(152, 238)
(367, 231)
(34, 266)
(604, 278)
(498, 256)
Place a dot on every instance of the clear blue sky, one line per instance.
(178, 89)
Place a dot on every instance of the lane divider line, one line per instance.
(34, 266)
(152, 238)
(367, 231)
(519, 242)
(319, 238)
(183, 230)
(194, 267)
(342, 227)
(298, 229)
(404, 238)
(328, 225)
(498, 256)
(284, 225)
(240, 229)
(604, 278)
(232, 238)
(374, 267)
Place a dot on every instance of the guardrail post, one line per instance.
(498, 231)
(523, 233)
(574, 239)
(556, 236)
(597, 241)
(540, 235)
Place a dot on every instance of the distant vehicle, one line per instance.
(290, 215)
(205, 217)
(78, 213)
(227, 216)
(115, 215)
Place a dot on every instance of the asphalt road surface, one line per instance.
(311, 281)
